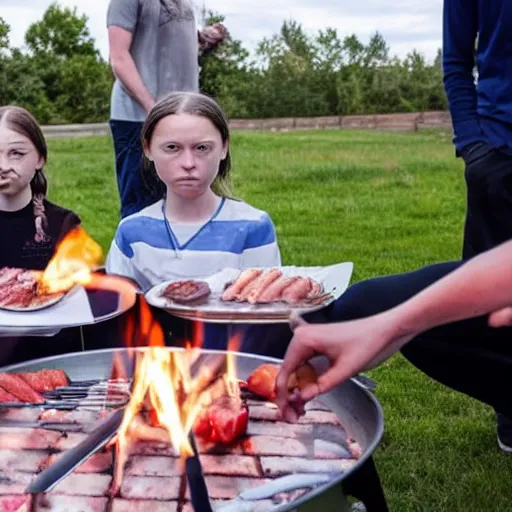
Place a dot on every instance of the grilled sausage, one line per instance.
(245, 278)
(264, 282)
(297, 291)
(275, 290)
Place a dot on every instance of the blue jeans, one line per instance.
(133, 193)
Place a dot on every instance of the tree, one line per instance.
(4, 35)
(61, 33)
(224, 73)
(76, 79)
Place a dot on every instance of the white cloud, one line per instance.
(405, 24)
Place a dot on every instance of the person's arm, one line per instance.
(481, 286)
(460, 26)
(122, 18)
(124, 67)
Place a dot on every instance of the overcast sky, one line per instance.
(405, 24)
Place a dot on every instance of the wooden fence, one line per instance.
(396, 122)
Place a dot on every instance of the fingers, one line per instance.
(296, 321)
(501, 318)
(298, 351)
(328, 380)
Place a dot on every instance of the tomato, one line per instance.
(223, 421)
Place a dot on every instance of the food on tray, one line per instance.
(27, 387)
(247, 276)
(223, 421)
(20, 289)
(262, 381)
(256, 286)
(187, 292)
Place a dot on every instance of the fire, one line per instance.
(165, 390)
(73, 262)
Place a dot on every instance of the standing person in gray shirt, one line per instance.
(153, 51)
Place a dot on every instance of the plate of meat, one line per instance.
(20, 291)
(253, 295)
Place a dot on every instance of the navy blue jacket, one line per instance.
(481, 112)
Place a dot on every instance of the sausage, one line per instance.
(316, 289)
(263, 283)
(297, 291)
(274, 291)
(245, 278)
(244, 294)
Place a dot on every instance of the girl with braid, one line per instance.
(30, 226)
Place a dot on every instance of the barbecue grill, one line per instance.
(355, 407)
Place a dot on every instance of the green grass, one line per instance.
(388, 202)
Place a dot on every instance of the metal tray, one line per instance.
(334, 278)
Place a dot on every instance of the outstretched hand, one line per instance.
(350, 347)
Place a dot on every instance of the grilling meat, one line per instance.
(6, 397)
(45, 380)
(17, 387)
(187, 292)
(223, 421)
(262, 381)
(27, 387)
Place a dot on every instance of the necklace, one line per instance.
(172, 237)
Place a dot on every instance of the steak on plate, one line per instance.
(187, 292)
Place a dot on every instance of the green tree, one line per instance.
(76, 80)
(61, 33)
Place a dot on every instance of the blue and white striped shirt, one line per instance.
(146, 250)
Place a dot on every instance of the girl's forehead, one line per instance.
(9, 136)
(186, 127)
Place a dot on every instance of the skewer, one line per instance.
(196, 482)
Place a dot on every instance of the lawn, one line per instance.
(388, 202)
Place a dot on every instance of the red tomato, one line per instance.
(223, 421)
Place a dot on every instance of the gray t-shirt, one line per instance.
(164, 49)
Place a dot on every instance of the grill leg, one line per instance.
(364, 485)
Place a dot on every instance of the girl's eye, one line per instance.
(17, 154)
(172, 147)
(202, 148)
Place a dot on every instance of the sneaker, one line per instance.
(504, 428)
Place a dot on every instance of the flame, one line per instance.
(231, 379)
(75, 257)
(164, 388)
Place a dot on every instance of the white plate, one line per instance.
(334, 278)
(42, 304)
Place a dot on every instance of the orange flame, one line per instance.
(163, 385)
(72, 262)
(230, 377)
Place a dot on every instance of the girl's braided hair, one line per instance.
(23, 122)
